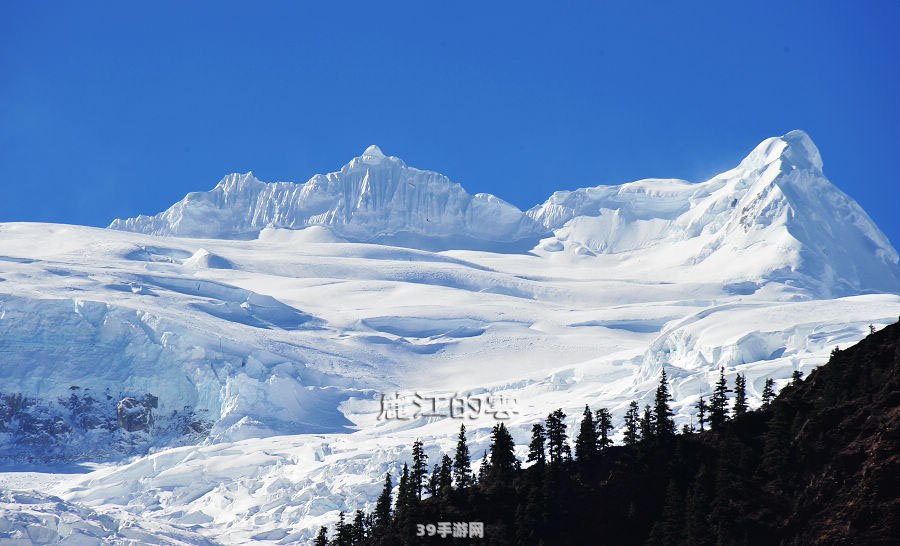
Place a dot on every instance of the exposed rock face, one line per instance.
(136, 415)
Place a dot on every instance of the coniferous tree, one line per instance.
(536, 451)
(702, 408)
(483, 469)
(419, 468)
(402, 507)
(343, 535)
(462, 462)
(646, 426)
(740, 395)
(321, 537)
(768, 393)
(796, 377)
(662, 413)
(445, 478)
(410, 500)
(718, 407)
(432, 486)
(603, 422)
(586, 441)
(383, 505)
(503, 461)
(632, 419)
(358, 530)
(401, 487)
(557, 438)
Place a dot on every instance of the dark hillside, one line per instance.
(819, 464)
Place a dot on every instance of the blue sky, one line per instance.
(113, 109)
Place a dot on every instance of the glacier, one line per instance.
(283, 311)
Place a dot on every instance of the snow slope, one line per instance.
(286, 338)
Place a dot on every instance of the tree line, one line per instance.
(539, 504)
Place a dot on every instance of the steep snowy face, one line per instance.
(374, 198)
(773, 217)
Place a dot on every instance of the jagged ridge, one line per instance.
(773, 217)
(373, 198)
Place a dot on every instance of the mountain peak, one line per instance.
(795, 150)
(801, 151)
(373, 152)
(373, 198)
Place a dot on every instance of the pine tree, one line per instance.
(419, 468)
(405, 506)
(344, 532)
(603, 422)
(586, 441)
(462, 462)
(797, 377)
(445, 478)
(662, 413)
(432, 486)
(401, 508)
(536, 451)
(321, 537)
(557, 438)
(408, 497)
(718, 407)
(383, 505)
(646, 426)
(632, 418)
(701, 413)
(358, 529)
(503, 461)
(483, 469)
(740, 395)
(768, 393)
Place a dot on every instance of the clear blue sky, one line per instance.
(117, 108)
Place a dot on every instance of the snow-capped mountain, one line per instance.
(777, 206)
(802, 229)
(373, 198)
(258, 324)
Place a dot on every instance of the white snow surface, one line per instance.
(373, 198)
(287, 337)
(777, 205)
